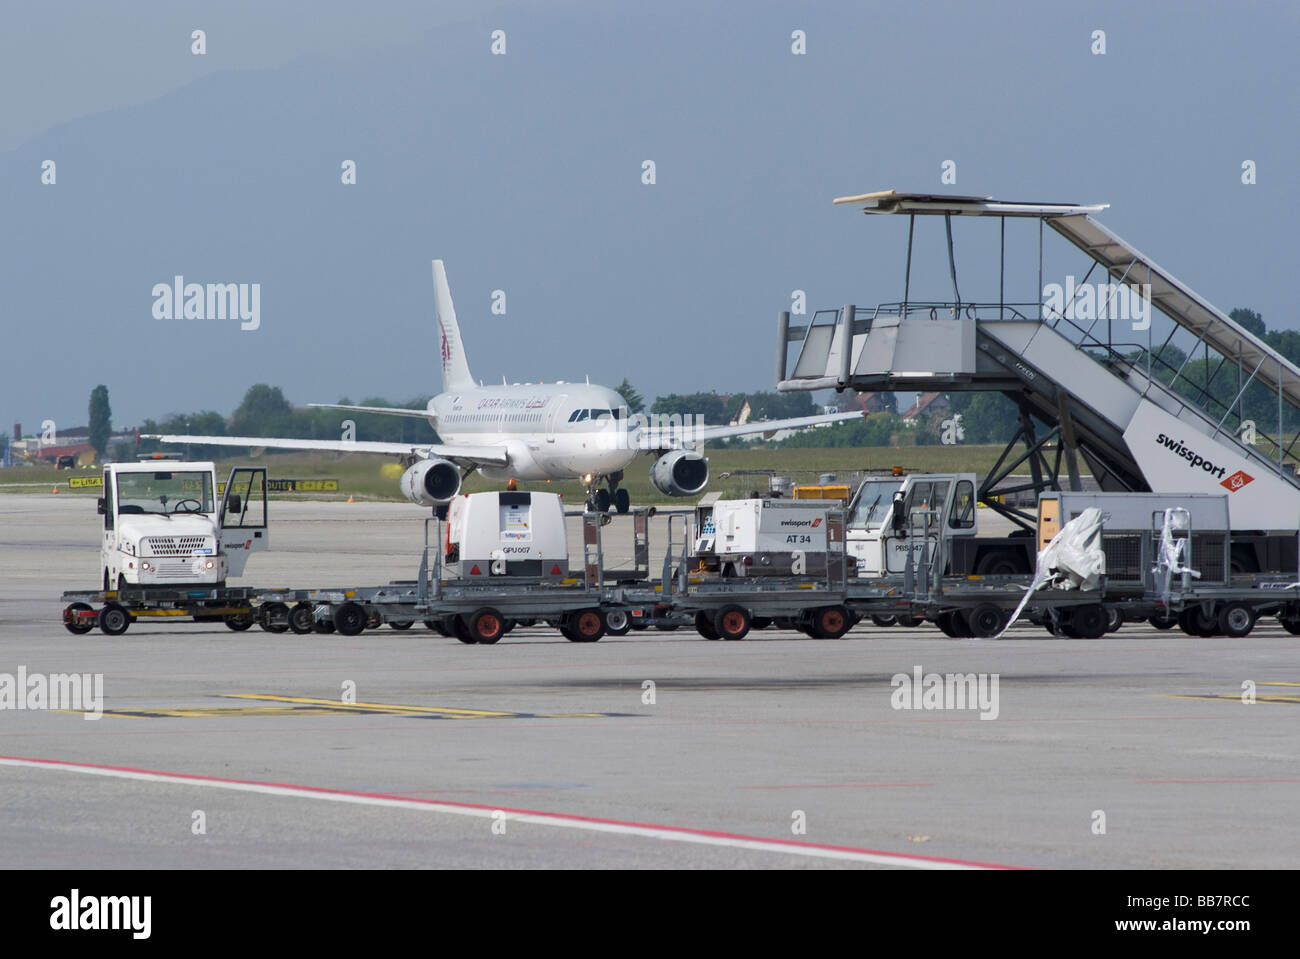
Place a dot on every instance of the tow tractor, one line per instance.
(169, 544)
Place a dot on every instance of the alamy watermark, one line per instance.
(1096, 301)
(76, 912)
(946, 691)
(179, 300)
(75, 692)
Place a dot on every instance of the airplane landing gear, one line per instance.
(599, 500)
(619, 496)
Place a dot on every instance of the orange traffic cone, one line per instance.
(351, 500)
(55, 490)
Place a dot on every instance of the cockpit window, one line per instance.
(582, 416)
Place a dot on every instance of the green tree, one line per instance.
(985, 417)
(634, 400)
(263, 412)
(1248, 320)
(878, 429)
(101, 419)
(708, 405)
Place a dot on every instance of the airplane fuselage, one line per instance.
(552, 430)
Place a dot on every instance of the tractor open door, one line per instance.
(243, 517)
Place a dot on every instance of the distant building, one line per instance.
(926, 403)
(69, 448)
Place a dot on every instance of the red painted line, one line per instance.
(570, 817)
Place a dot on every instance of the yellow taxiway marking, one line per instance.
(1274, 700)
(367, 707)
(269, 705)
(208, 712)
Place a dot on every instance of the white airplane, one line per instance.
(529, 431)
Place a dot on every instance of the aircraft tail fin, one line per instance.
(455, 368)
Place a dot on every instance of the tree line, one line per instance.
(985, 417)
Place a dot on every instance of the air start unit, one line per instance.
(507, 534)
(763, 537)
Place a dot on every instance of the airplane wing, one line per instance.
(387, 410)
(467, 455)
(662, 438)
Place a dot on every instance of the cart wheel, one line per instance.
(302, 619)
(460, 629)
(240, 621)
(985, 621)
(1114, 619)
(617, 621)
(586, 625)
(405, 624)
(373, 619)
(704, 625)
(114, 620)
(732, 622)
(666, 627)
(274, 617)
(325, 625)
(1088, 622)
(884, 621)
(525, 623)
(74, 622)
(1291, 624)
(350, 619)
(486, 625)
(1236, 620)
(760, 622)
(830, 622)
(1194, 622)
(1162, 622)
(945, 623)
(960, 627)
(909, 622)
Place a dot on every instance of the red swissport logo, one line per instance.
(817, 522)
(1236, 481)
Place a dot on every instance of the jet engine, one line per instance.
(431, 482)
(680, 473)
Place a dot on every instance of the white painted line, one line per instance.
(591, 824)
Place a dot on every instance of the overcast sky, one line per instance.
(525, 173)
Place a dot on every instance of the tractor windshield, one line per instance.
(164, 492)
(871, 505)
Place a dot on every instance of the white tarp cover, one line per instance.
(1074, 559)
